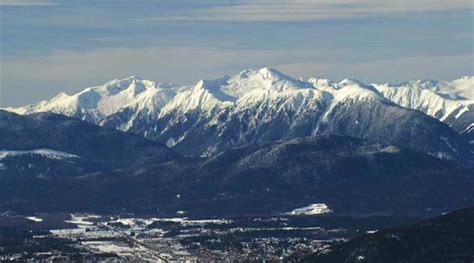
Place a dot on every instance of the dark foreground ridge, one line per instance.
(448, 238)
(95, 144)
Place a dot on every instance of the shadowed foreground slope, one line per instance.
(448, 238)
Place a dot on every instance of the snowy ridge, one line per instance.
(247, 107)
(48, 153)
(436, 98)
(205, 96)
(96, 103)
(263, 79)
(439, 99)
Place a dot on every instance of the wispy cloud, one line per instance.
(304, 10)
(28, 3)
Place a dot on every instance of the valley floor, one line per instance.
(130, 238)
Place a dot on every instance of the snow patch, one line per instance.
(79, 222)
(170, 142)
(80, 219)
(469, 129)
(312, 209)
(449, 145)
(34, 219)
(48, 153)
(391, 149)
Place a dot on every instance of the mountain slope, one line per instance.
(448, 238)
(96, 103)
(56, 132)
(267, 105)
(452, 102)
(349, 175)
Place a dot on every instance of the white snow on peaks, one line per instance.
(48, 153)
(169, 112)
(246, 90)
(354, 89)
(96, 103)
(93, 104)
(206, 96)
(264, 79)
(312, 209)
(240, 91)
(462, 87)
(321, 83)
(439, 99)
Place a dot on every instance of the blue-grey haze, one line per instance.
(51, 46)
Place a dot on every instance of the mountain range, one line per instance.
(260, 106)
(258, 142)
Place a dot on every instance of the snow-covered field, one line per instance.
(34, 219)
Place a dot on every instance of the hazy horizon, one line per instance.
(50, 46)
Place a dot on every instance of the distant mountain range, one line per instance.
(266, 106)
(258, 142)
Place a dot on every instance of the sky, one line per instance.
(49, 46)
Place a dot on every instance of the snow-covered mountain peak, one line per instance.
(265, 79)
(321, 83)
(447, 101)
(206, 96)
(214, 87)
(353, 89)
(97, 102)
(132, 82)
(245, 73)
(347, 89)
(350, 81)
(463, 87)
(263, 73)
(425, 83)
(272, 74)
(121, 83)
(458, 89)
